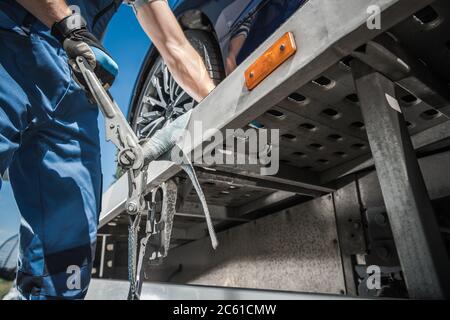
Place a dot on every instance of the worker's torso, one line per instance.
(96, 12)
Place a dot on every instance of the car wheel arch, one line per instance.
(189, 21)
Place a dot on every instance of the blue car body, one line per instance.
(255, 19)
(228, 16)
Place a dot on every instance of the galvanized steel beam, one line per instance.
(419, 244)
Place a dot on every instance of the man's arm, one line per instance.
(71, 31)
(160, 24)
(185, 64)
(47, 11)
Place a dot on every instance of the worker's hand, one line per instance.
(78, 41)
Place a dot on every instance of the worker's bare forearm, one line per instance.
(47, 11)
(189, 71)
(183, 61)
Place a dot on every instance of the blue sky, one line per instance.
(128, 44)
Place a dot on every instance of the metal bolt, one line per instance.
(131, 207)
(131, 156)
(282, 47)
(127, 158)
(252, 75)
(381, 219)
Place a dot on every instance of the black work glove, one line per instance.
(78, 41)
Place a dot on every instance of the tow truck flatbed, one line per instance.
(315, 98)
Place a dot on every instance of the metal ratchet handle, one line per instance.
(118, 131)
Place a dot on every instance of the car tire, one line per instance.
(150, 114)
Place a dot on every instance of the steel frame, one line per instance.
(323, 41)
(419, 244)
(117, 290)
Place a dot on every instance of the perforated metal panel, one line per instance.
(229, 194)
(322, 126)
(427, 36)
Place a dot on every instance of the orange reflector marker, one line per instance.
(275, 56)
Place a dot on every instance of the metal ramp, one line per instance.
(312, 99)
(118, 290)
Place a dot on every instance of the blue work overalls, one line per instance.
(49, 140)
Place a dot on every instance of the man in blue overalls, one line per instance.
(49, 138)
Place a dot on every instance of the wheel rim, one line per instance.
(162, 102)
